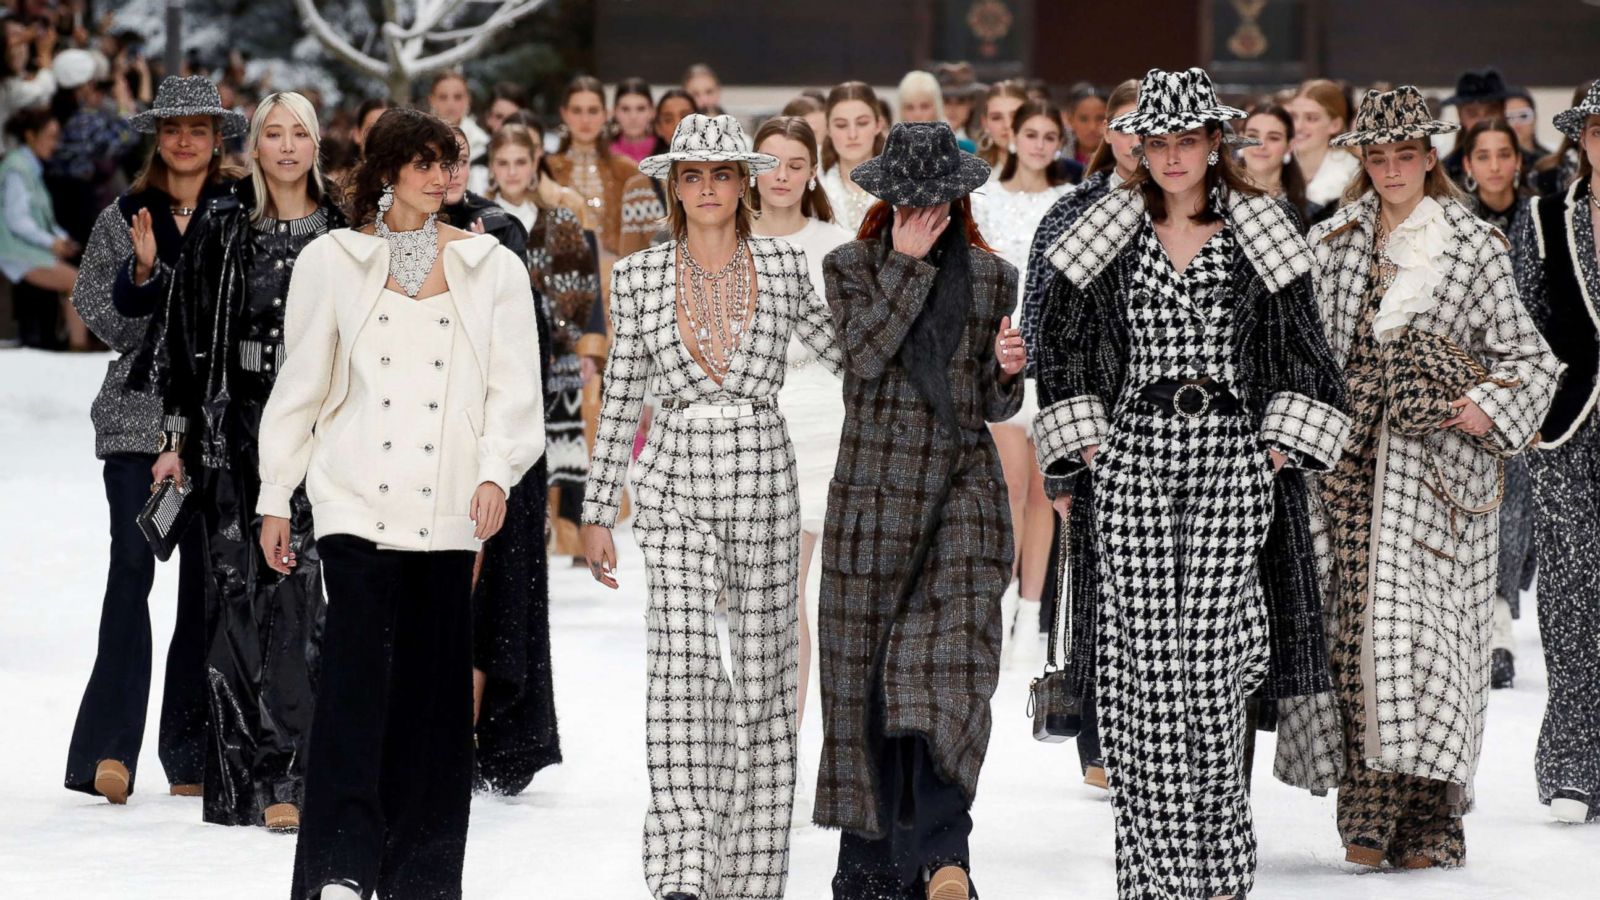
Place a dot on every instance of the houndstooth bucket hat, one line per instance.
(1389, 117)
(1570, 122)
(921, 165)
(701, 138)
(190, 95)
(1172, 102)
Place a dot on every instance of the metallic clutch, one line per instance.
(1056, 709)
(166, 515)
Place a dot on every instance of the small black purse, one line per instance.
(1056, 709)
(166, 515)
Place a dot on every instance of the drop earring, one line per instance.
(1212, 158)
(1144, 161)
(1288, 158)
(752, 179)
(385, 199)
(812, 184)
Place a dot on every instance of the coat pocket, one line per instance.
(850, 538)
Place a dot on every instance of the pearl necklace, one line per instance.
(709, 303)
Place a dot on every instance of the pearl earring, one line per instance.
(1288, 158)
(752, 180)
(812, 184)
(1212, 157)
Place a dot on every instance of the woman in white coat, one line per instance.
(409, 403)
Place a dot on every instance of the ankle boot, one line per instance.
(111, 781)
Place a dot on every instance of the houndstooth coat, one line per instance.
(900, 482)
(1432, 578)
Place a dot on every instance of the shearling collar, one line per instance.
(1266, 233)
(361, 247)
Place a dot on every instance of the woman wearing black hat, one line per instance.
(125, 270)
(917, 544)
(1181, 365)
(1558, 274)
(1480, 96)
(1447, 377)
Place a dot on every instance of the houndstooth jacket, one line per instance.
(1432, 579)
(649, 351)
(1285, 377)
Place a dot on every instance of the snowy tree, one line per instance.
(440, 34)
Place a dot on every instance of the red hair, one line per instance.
(881, 214)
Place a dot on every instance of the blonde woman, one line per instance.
(214, 352)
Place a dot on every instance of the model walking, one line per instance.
(1558, 274)
(705, 321)
(409, 405)
(917, 548)
(854, 136)
(1447, 376)
(125, 273)
(1181, 362)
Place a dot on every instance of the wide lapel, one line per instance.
(466, 277)
(1098, 235)
(371, 256)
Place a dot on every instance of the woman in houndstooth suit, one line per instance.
(705, 320)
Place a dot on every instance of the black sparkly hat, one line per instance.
(921, 165)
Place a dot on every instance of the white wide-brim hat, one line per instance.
(702, 138)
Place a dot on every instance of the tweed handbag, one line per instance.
(1056, 709)
(1424, 373)
(166, 516)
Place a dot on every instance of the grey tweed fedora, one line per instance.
(189, 95)
(921, 165)
(701, 138)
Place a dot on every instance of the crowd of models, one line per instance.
(1277, 405)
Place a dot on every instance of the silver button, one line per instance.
(266, 367)
(386, 403)
(433, 407)
(267, 349)
(383, 360)
(427, 492)
(277, 301)
(383, 318)
(278, 264)
(380, 526)
(383, 488)
(272, 332)
(444, 322)
(422, 533)
(387, 445)
(427, 448)
(438, 364)
(282, 228)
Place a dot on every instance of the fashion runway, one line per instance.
(575, 833)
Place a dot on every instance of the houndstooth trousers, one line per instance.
(1182, 509)
(1566, 493)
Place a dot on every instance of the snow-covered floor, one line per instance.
(574, 834)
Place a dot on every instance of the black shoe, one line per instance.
(1502, 669)
(679, 895)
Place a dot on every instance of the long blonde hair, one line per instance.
(304, 113)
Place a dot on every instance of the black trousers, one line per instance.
(928, 825)
(111, 716)
(389, 759)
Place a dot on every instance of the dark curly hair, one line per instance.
(399, 138)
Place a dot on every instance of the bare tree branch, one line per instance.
(336, 44)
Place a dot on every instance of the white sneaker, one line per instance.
(338, 892)
(1026, 638)
(1008, 621)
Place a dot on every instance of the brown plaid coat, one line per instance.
(920, 628)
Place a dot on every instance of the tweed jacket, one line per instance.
(1285, 377)
(916, 548)
(1036, 281)
(562, 264)
(1431, 583)
(648, 351)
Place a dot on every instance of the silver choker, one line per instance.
(411, 253)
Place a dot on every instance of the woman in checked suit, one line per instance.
(706, 319)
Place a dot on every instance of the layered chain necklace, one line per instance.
(715, 305)
(411, 253)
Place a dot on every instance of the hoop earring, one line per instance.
(1212, 158)
(1470, 183)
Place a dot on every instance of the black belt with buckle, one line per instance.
(1191, 399)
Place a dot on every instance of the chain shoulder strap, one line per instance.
(1054, 655)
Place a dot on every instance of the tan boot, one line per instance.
(186, 790)
(1363, 855)
(1095, 776)
(111, 781)
(949, 883)
(282, 818)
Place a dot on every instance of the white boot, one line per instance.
(1027, 640)
(1008, 621)
(339, 892)
(1571, 806)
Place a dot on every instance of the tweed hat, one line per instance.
(1479, 86)
(1570, 121)
(701, 138)
(1171, 102)
(921, 165)
(1388, 117)
(189, 95)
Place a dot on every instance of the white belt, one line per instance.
(715, 411)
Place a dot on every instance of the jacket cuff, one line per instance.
(1065, 427)
(597, 513)
(274, 500)
(1491, 399)
(496, 471)
(1311, 428)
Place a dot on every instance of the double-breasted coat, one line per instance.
(917, 542)
(1431, 582)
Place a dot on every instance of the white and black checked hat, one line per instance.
(921, 165)
(1389, 117)
(1570, 122)
(189, 95)
(701, 138)
(1171, 102)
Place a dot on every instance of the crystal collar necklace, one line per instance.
(411, 253)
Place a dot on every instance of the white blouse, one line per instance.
(526, 212)
(1339, 168)
(1008, 219)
